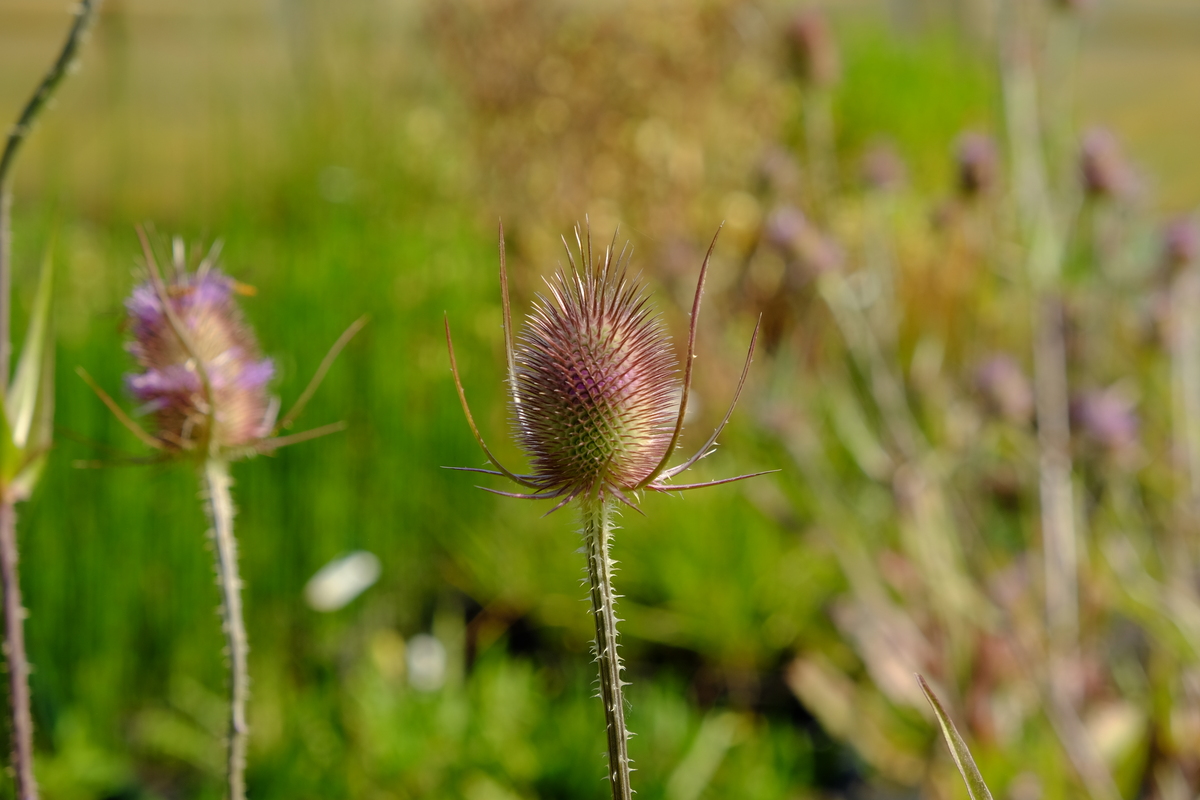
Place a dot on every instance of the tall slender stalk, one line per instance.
(217, 483)
(597, 532)
(18, 665)
(84, 15)
(14, 612)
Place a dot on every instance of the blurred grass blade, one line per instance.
(28, 389)
(958, 748)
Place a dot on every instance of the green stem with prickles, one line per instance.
(597, 532)
(220, 509)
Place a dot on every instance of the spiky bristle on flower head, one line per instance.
(204, 377)
(596, 384)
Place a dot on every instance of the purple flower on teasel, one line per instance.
(203, 375)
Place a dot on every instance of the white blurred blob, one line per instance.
(342, 580)
(426, 662)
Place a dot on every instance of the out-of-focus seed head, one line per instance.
(1005, 389)
(778, 172)
(978, 164)
(808, 252)
(596, 382)
(1181, 243)
(813, 49)
(883, 169)
(1108, 419)
(1102, 166)
(235, 409)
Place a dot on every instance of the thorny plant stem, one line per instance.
(84, 15)
(220, 507)
(18, 664)
(597, 532)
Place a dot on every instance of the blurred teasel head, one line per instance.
(1181, 243)
(597, 394)
(1108, 419)
(882, 168)
(1004, 389)
(813, 49)
(808, 252)
(978, 164)
(1103, 169)
(202, 374)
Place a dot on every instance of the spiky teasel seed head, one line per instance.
(203, 375)
(597, 397)
(597, 385)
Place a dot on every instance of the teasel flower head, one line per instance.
(597, 396)
(211, 387)
(201, 374)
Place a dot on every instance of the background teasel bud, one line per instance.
(978, 164)
(882, 168)
(813, 49)
(1004, 389)
(1102, 166)
(1107, 418)
(197, 352)
(1181, 243)
(808, 252)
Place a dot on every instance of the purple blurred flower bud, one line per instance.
(1107, 419)
(806, 249)
(778, 171)
(1103, 169)
(1004, 388)
(1181, 243)
(978, 164)
(813, 49)
(882, 168)
(221, 343)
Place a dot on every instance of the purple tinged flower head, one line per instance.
(1181, 243)
(814, 50)
(882, 168)
(808, 251)
(202, 373)
(1108, 419)
(978, 164)
(1103, 168)
(1004, 388)
(597, 384)
(597, 394)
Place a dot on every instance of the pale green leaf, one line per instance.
(976, 788)
(27, 391)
